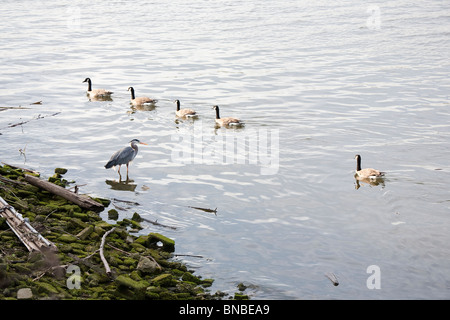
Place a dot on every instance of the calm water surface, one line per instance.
(315, 84)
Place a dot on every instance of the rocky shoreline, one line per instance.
(133, 268)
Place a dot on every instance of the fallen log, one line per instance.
(80, 200)
(32, 239)
(23, 169)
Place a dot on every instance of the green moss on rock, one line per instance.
(113, 214)
(86, 232)
(46, 287)
(187, 276)
(126, 281)
(67, 238)
(164, 280)
(61, 170)
(167, 244)
(136, 217)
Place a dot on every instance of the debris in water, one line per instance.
(205, 209)
(332, 278)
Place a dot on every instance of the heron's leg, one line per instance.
(127, 172)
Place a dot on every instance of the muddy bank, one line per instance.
(92, 259)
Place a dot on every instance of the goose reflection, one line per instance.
(143, 107)
(122, 185)
(371, 182)
(99, 98)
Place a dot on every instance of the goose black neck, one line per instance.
(132, 93)
(217, 112)
(89, 84)
(358, 163)
(178, 105)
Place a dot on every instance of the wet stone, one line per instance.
(24, 294)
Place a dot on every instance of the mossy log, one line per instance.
(81, 200)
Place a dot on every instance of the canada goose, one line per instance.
(367, 173)
(96, 93)
(124, 155)
(225, 122)
(185, 112)
(140, 100)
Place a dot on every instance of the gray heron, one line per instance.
(124, 155)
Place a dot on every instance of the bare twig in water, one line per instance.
(77, 187)
(26, 121)
(37, 102)
(7, 108)
(187, 255)
(22, 153)
(126, 201)
(119, 208)
(205, 209)
(332, 278)
(156, 223)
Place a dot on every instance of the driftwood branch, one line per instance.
(102, 245)
(126, 201)
(205, 209)
(26, 121)
(32, 239)
(332, 278)
(81, 200)
(187, 255)
(156, 223)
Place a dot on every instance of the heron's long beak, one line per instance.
(144, 143)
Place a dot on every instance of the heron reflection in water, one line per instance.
(124, 156)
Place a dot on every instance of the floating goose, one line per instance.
(367, 173)
(225, 122)
(124, 156)
(185, 112)
(97, 93)
(140, 100)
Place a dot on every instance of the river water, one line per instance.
(273, 205)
